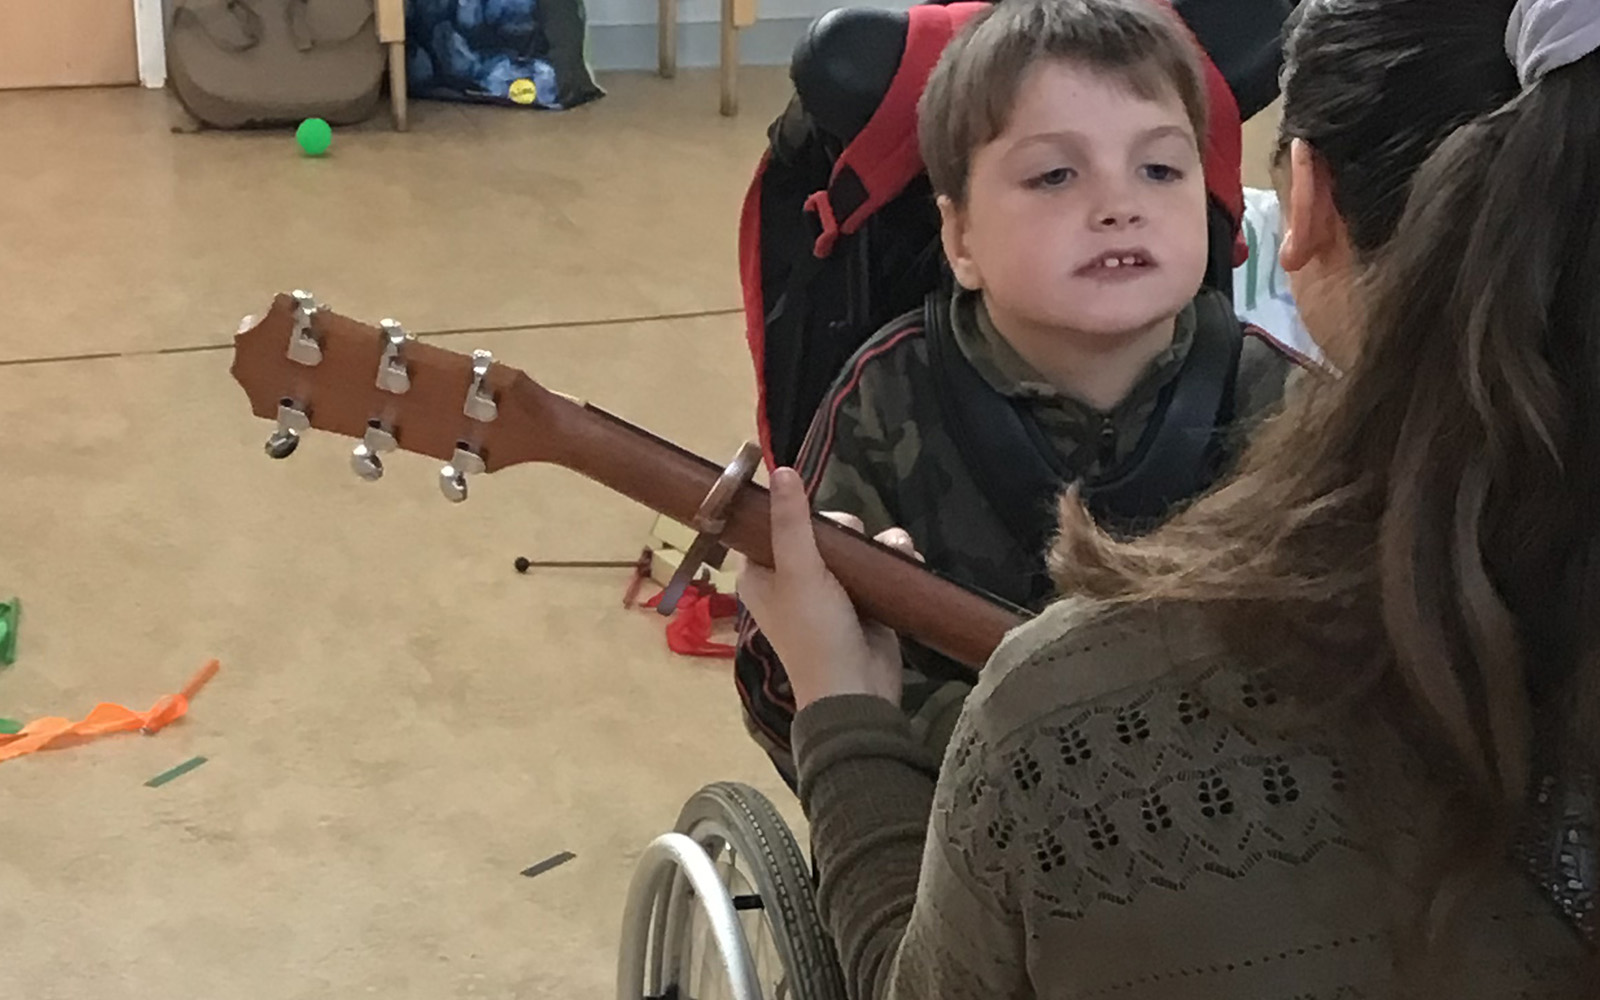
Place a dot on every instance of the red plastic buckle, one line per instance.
(821, 204)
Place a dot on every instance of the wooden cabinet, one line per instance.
(67, 43)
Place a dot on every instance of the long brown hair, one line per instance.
(1430, 517)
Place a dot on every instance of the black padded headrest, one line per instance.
(842, 67)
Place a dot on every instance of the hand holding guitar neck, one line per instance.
(307, 367)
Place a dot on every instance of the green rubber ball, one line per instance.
(314, 136)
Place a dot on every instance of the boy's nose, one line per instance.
(1116, 203)
(1119, 218)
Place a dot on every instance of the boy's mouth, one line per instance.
(1117, 262)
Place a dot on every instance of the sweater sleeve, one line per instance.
(908, 920)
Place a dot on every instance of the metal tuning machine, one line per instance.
(304, 346)
(480, 404)
(392, 374)
(393, 377)
(453, 477)
(481, 407)
(292, 422)
(366, 460)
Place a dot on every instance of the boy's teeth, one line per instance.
(1129, 261)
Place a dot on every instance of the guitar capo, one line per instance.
(710, 521)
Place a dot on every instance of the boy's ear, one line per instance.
(953, 234)
(1312, 226)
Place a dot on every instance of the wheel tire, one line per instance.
(744, 819)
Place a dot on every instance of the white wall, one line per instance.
(150, 36)
(609, 12)
(622, 33)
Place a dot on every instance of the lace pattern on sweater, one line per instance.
(1152, 790)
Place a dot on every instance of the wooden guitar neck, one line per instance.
(886, 586)
(307, 368)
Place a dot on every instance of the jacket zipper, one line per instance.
(1108, 444)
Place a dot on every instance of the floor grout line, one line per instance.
(424, 334)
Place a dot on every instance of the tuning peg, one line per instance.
(453, 477)
(304, 347)
(480, 405)
(292, 421)
(366, 460)
(392, 374)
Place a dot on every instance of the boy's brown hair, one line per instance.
(971, 94)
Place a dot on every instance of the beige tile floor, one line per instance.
(402, 723)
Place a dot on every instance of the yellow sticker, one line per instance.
(523, 91)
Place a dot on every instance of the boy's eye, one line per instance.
(1053, 178)
(1161, 173)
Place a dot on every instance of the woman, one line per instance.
(1331, 731)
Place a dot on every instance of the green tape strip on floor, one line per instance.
(177, 772)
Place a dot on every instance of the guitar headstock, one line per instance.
(308, 367)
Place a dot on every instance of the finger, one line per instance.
(848, 520)
(900, 540)
(794, 541)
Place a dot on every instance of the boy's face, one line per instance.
(1088, 213)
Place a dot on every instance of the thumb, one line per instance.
(794, 541)
(755, 590)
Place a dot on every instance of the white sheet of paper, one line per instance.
(1260, 287)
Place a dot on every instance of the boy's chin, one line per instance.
(1116, 313)
(1116, 325)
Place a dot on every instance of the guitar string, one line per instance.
(421, 335)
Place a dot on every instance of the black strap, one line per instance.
(1000, 445)
(1180, 453)
(1017, 469)
(784, 360)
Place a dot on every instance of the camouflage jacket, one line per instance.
(878, 449)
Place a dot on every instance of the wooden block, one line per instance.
(391, 21)
(669, 540)
(664, 563)
(674, 533)
(744, 13)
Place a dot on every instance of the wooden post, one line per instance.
(391, 16)
(736, 16)
(397, 86)
(667, 35)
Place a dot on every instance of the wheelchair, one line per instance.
(723, 906)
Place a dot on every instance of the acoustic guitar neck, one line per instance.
(309, 368)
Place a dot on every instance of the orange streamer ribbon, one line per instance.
(56, 733)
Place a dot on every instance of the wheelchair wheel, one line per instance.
(766, 875)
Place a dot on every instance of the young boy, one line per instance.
(1063, 139)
